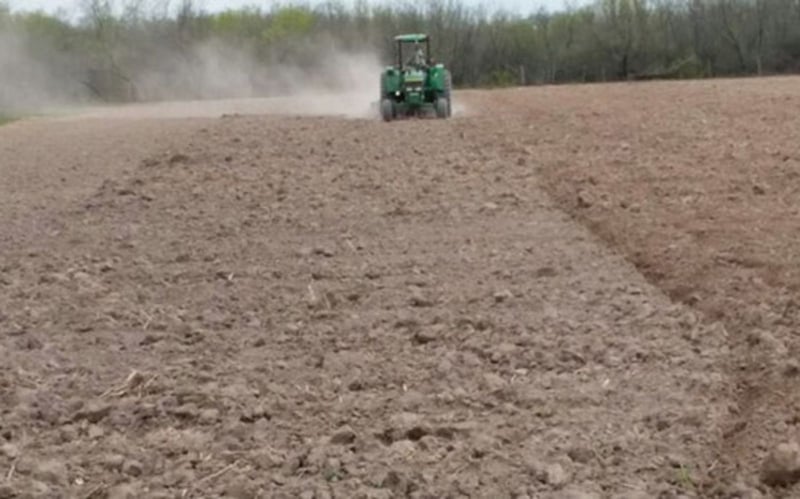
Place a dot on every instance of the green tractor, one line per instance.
(415, 86)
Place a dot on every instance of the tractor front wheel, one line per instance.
(387, 110)
(442, 107)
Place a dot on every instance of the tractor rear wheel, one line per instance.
(442, 107)
(387, 110)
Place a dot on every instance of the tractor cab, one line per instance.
(412, 61)
(416, 56)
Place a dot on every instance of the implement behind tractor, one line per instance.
(417, 86)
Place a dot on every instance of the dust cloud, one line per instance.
(205, 79)
(219, 78)
(33, 79)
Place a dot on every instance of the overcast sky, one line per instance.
(520, 6)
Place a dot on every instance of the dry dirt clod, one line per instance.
(575, 493)
(8, 492)
(585, 199)
(444, 366)
(503, 350)
(94, 412)
(768, 340)
(423, 337)
(209, 416)
(356, 385)
(95, 432)
(178, 158)
(635, 494)
(555, 475)
(325, 251)
(397, 482)
(579, 454)
(240, 490)
(791, 368)
(405, 425)
(344, 436)
(546, 272)
(782, 465)
(37, 488)
(123, 491)
(402, 450)
(186, 411)
(376, 494)
(255, 413)
(68, 433)
(9, 450)
(114, 462)
(419, 299)
(740, 490)
(493, 382)
(133, 468)
(51, 471)
(502, 296)
(316, 457)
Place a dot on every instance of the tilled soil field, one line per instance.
(570, 292)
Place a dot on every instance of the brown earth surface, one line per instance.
(563, 292)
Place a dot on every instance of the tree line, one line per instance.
(119, 40)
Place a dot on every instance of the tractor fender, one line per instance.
(437, 79)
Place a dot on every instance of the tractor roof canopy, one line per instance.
(411, 38)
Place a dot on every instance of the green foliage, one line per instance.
(684, 478)
(289, 23)
(5, 13)
(244, 23)
(46, 31)
(689, 67)
(501, 78)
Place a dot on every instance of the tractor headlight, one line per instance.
(397, 93)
